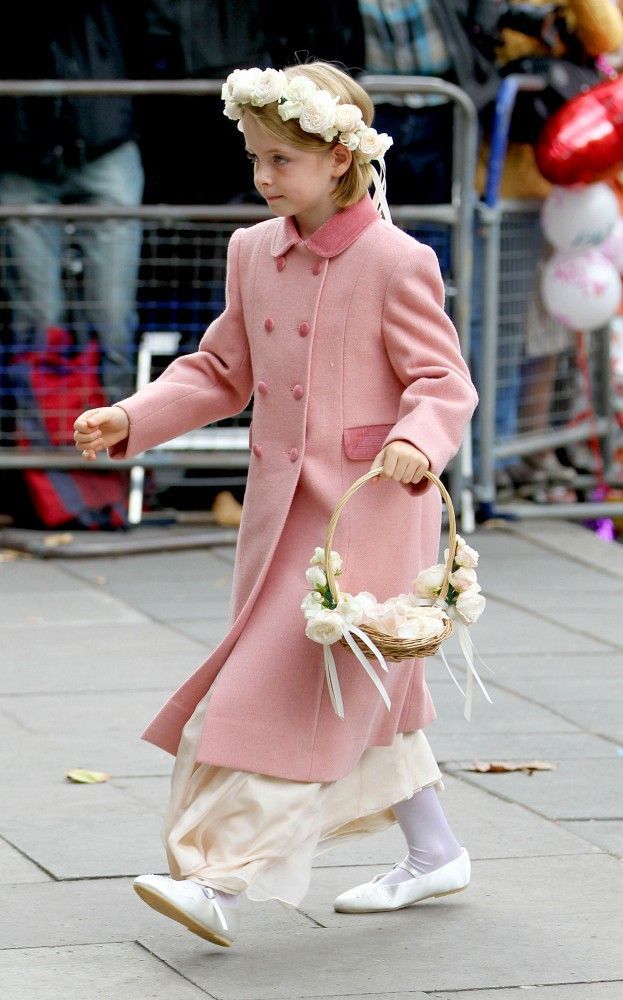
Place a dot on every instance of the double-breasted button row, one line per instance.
(297, 391)
(257, 451)
(303, 328)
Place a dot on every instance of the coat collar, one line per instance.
(335, 235)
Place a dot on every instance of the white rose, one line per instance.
(368, 604)
(298, 91)
(316, 577)
(318, 113)
(232, 110)
(390, 620)
(429, 581)
(242, 84)
(326, 627)
(350, 609)
(420, 628)
(464, 579)
(269, 87)
(350, 140)
(318, 560)
(348, 117)
(311, 604)
(465, 555)
(470, 605)
(373, 144)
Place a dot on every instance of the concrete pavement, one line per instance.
(91, 647)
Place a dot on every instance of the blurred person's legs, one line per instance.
(111, 253)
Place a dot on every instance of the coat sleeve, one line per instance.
(197, 389)
(423, 349)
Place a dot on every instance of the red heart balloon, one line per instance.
(584, 139)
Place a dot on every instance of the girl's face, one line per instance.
(295, 181)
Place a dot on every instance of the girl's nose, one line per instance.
(262, 177)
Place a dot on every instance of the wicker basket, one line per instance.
(392, 647)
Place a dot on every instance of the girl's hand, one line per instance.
(400, 461)
(95, 430)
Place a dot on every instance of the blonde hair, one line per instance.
(353, 185)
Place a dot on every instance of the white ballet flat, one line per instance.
(372, 897)
(192, 905)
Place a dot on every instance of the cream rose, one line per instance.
(326, 627)
(242, 84)
(298, 91)
(350, 140)
(373, 145)
(269, 87)
(470, 605)
(318, 113)
(464, 579)
(350, 609)
(232, 110)
(429, 581)
(318, 560)
(420, 628)
(316, 577)
(348, 117)
(311, 604)
(465, 555)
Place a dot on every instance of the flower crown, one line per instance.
(318, 111)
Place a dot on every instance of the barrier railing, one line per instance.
(184, 248)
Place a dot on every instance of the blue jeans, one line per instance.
(110, 255)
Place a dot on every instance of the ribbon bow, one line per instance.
(331, 670)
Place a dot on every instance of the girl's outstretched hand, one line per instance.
(97, 429)
(401, 461)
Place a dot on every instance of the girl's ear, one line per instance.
(342, 159)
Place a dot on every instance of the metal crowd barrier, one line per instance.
(181, 281)
(532, 376)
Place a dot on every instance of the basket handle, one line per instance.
(372, 474)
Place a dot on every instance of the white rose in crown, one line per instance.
(269, 87)
(348, 118)
(298, 91)
(470, 604)
(373, 144)
(325, 627)
(318, 114)
(242, 84)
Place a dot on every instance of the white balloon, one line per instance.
(581, 289)
(579, 216)
(612, 247)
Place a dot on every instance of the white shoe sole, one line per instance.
(163, 905)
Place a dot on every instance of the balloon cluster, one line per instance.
(581, 283)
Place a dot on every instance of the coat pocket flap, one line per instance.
(365, 442)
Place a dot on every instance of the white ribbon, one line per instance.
(333, 683)
(469, 651)
(379, 199)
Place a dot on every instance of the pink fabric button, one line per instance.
(294, 454)
(257, 450)
(262, 388)
(269, 325)
(317, 268)
(303, 329)
(281, 263)
(298, 391)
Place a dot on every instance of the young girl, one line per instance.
(334, 322)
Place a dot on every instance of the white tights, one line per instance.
(429, 838)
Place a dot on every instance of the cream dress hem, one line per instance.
(244, 832)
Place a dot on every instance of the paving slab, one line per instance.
(509, 713)
(29, 576)
(91, 972)
(15, 868)
(97, 657)
(63, 609)
(600, 715)
(605, 833)
(569, 792)
(488, 937)
(208, 632)
(103, 911)
(505, 628)
(470, 747)
(577, 991)
(541, 571)
(572, 541)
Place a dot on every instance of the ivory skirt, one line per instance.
(240, 831)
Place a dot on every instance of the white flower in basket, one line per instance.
(446, 598)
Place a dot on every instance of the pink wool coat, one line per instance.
(344, 344)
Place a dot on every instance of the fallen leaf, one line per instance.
(504, 766)
(82, 777)
(100, 579)
(60, 538)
